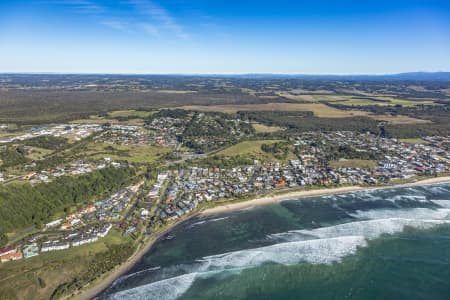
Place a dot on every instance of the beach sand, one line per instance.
(313, 193)
(92, 292)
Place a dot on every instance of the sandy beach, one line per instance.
(95, 290)
(92, 291)
(313, 193)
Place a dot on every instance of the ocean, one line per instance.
(377, 244)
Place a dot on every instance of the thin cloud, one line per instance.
(151, 17)
(160, 15)
(80, 6)
(150, 29)
(118, 25)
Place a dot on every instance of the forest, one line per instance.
(305, 121)
(23, 205)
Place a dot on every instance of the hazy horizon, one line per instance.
(224, 37)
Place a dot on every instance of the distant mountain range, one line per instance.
(416, 76)
(413, 76)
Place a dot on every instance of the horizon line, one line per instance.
(222, 74)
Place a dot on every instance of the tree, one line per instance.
(3, 239)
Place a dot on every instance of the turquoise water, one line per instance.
(383, 244)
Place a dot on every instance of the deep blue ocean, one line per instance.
(376, 244)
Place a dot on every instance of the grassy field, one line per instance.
(405, 102)
(353, 163)
(253, 150)
(36, 153)
(311, 97)
(92, 120)
(354, 100)
(414, 141)
(261, 128)
(21, 278)
(399, 119)
(131, 153)
(128, 113)
(319, 110)
(375, 100)
(111, 118)
(175, 92)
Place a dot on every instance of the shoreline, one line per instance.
(102, 285)
(267, 200)
(108, 280)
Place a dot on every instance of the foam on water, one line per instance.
(411, 213)
(369, 229)
(442, 203)
(316, 251)
(320, 251)
(167, 289)
(125, 277)
(323, 245)
(418, 198)
(437, 189)
(206, 222)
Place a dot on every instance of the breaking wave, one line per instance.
(324, 245)
(167, 289)
(320, 251)
(442, 203)
(368, 229)
(202, 222)
(412, 213)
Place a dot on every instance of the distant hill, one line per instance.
(415, 76)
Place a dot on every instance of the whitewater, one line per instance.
(323, 245)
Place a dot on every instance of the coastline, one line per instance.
(90, 292)
(267, 200)
(97, 288)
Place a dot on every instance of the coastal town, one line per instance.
(217, 150)
(321, 159)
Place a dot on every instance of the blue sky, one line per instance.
(224, 36)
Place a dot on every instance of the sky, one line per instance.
(224, 36)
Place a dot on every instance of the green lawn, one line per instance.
(414, 141)
(253, 150)
(131, 153)
(36, 153)
(19, 279)
(128, 113)
(261, 128)
(353, 163)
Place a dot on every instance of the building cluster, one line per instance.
(199, 130)
(111, 208)
(166, 131)
(76, 131)
(180, 191)
(77, 167)
(84, 226)
(207, 132)
(80, 236)
(161, 132)
(395, 159)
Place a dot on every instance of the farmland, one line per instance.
(362, 100)
(261, 128)
(319, 110)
